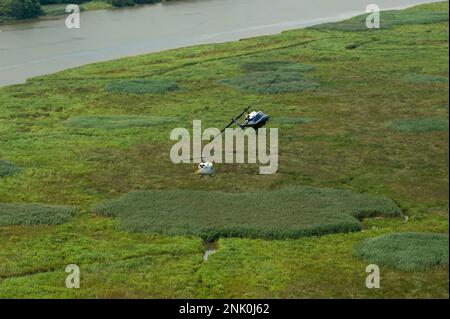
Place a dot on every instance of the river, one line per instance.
(41, 47)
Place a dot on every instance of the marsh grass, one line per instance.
(35, 214)
(388, 19)
(416, 78)
(283, 66)
(285, 82)
(116, 121)
(142, 86)
(8, 169)
(291, 120)
(406, 251)
(420, 125)
(260, 77)
(286, 213)
(347, 147)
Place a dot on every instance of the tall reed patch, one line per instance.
(285, 213)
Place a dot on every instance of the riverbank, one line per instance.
(55, 10)
(361, 114)
(110, 34)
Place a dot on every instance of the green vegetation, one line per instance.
(291, 120)
(420, 125)
(141, 86)
(273, 77)
(388, 20)
(19, 9)
(54, 9)
(415, 78)
(407, 251)
(33, 260)
(47, 2)
(346, 147)
(26, 9)
(60, 9)
(34, 214)
(286, 213)
(282, 66)
(259, 82)
(95, 5)
(352, 46)
(109, 122)
(8, 169)
(124, 3)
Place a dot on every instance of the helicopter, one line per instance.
(254, 119)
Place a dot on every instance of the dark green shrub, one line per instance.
(285, 213)
(35, 214)
(406, 251)
(20, 9)
(141, 86)
(352, 46)
(45, 2)
(121, 3)
(124, 3)
(146, 1)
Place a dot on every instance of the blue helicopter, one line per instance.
(253, 119)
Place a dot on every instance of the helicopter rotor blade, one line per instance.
(243, 112)
(265, 89)
(232, 122)
(222, 130)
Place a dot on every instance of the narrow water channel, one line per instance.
(210, 248)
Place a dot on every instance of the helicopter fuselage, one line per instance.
(255, 120)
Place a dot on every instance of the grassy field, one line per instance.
(373, 125)
(114, 122)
